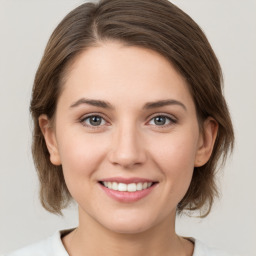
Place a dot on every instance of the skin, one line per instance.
(128, 142)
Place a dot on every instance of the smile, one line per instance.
(127, 190)
(131, 187)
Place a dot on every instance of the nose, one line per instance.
(127, 147)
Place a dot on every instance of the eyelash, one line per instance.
(171, 120)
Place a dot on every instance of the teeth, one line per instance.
(121, 187)
(131, 187)
(149, 184)
(114, 186)
(139, 186)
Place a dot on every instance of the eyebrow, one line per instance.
(107, 105)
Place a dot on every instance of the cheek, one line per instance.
(176, 150)
(80, 156)
(175, 157)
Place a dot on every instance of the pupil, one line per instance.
(160, 120)
(95, 120)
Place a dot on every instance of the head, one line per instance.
(164, 31)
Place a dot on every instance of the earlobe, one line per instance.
(50, 139)
(206, 141)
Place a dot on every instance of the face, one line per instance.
(125, 121)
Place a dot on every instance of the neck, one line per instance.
(94, 239)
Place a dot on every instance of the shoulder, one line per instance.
(41, 248)
(203, 250)
(48, 247)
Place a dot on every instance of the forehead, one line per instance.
(116, 72)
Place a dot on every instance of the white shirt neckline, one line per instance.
(53, 246)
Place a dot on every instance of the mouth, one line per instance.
(127, 187)
(127, 190)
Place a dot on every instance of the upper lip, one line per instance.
(127, 180)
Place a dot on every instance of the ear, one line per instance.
(50, 139)
(206, 141)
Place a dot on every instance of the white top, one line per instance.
(53, 246)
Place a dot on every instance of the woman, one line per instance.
(130, 122)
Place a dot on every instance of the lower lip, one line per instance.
(127, 197)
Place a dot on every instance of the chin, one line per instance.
(129, 229)
(129, 225)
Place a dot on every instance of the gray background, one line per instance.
(25, 26)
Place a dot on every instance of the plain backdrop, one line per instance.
(25, 26)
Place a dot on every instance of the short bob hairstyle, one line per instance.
(157, 25)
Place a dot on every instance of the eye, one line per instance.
(93, 120)
(162, 120)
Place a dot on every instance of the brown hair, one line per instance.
(158, 25)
